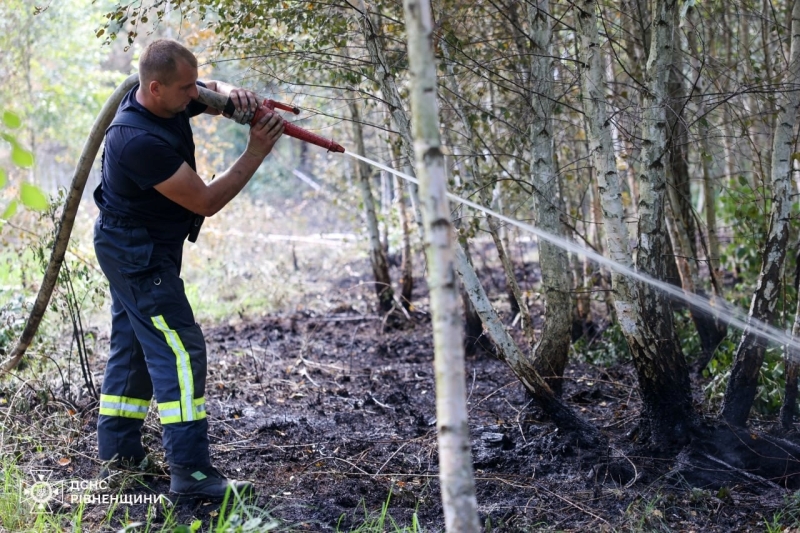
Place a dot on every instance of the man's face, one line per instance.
(174, 98)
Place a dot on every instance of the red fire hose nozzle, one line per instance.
(295, 131)
(224, 104)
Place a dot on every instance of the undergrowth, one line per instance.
(379, 521)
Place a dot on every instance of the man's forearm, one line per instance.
(220, 87)
(243, 99)
(230, 183)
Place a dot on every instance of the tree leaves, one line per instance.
(33, 197)
(10, 210)
(21, 157)
(11, 120)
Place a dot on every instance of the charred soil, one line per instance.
(332, 417)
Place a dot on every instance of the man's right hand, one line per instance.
(264, 134)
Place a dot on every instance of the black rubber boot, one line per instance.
(205, 482)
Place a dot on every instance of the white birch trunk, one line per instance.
(743, 383)
(643, 313)
(552, 350)
(609, 182)
(455, 459)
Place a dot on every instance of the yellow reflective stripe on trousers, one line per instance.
(184, 368)
(123, 406)
(170, 412)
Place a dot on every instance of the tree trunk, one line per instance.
(743, 382)
(792, 364)
(380, 266)
(562, 415)
(551, 352)
(473, 325)
(661, 367)
(406, 263)
(407, 255)
(643, 313)
(455, 460)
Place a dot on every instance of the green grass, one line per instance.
(381, 521)
(19, 513)
(236, 515)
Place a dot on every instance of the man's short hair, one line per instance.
(159, 61)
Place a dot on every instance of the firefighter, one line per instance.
(150, 198)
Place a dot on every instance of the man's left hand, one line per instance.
(246, 104)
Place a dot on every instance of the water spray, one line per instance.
(728, 314)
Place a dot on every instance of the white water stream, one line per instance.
(728, 314)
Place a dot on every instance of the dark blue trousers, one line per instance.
(156, 348)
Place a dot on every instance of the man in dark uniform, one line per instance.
(149, 198)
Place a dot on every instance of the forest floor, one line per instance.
(332, 417)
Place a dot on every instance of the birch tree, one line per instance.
(643, 314)
(660, 364)
(552, 349)
(455, 459)
(743, 382)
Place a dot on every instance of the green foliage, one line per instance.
(687, 335)
(19, 155)
(59, 79)
(607, 348)
(749, 212)
(30, 195)
(745, 205)
(771, 382)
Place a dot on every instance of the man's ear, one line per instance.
(154, 87)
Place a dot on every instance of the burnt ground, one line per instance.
(331, 417)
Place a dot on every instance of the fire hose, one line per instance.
(82, 170)
(225, 104)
